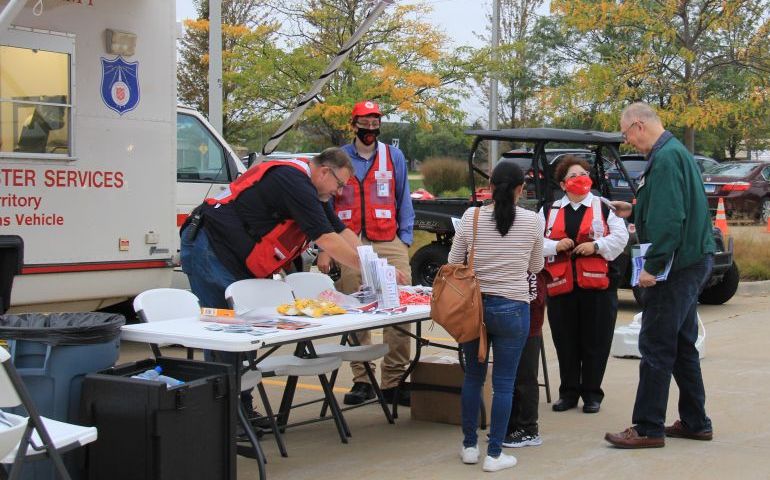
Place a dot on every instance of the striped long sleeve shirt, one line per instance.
(501, 262)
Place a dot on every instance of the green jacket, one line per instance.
(671, 210)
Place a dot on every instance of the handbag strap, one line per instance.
(473, 241)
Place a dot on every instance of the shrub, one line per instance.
(441, 174)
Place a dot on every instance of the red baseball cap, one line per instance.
(361, 109)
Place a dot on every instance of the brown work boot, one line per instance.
(629, 438)
(679, 430)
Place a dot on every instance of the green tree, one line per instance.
(402, 62)
(243, 23)
(674, 54)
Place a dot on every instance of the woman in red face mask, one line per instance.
(582, 237)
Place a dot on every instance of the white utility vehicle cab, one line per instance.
(89, 128)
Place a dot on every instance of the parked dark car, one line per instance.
(744, 187)
(635, 164)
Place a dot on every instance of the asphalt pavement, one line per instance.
(736, 372)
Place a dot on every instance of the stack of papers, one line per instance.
(638, 253)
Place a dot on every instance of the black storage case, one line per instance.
(147, 431)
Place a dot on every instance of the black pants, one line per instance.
(582, 323)
(667, 344)
(526, 392)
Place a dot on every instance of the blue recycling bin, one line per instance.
(53, 353)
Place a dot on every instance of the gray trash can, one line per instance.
(53, 353)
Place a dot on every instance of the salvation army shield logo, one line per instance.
(120, 84)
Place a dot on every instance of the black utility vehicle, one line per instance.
(436, 215)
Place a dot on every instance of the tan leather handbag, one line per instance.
(456, 302)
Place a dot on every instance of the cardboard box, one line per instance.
(435, 395)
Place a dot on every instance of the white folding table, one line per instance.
(191, 332)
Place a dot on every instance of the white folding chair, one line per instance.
(309, 285)
(245, 295)
(32, 437)
(166, 304)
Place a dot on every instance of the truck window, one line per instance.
(35, 96)
(199, 156)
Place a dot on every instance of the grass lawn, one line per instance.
(752, 252)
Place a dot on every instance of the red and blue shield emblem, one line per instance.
(120, 84)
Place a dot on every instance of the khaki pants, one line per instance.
(395, 362)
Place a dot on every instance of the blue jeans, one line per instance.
(507, 324)
(208, 281)
(208, 277)
(667, 344)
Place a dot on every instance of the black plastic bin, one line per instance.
(148, 431)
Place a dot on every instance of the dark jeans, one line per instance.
(208, 281)
(582, 323)
(507, 324)
(526, 391)
(667, 344)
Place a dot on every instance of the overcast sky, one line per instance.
(454, 17)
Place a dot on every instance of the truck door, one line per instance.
(204, 165)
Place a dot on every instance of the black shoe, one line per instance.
(563, 405)
(591, 407)
(404, 399)
(360, 393)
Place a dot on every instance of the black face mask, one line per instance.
(368, 135)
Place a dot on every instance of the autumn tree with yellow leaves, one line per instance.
(402, 62)
(705, 64)
(244, 22)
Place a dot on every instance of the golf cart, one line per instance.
(436, 215)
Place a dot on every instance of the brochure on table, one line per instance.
(378, 276)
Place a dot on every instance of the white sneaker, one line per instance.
(470, 455)
(492, 464)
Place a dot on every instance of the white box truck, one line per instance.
(91, 146)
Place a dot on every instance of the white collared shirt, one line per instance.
(610, 246)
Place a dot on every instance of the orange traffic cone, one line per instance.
(768, 225)
(721, 220)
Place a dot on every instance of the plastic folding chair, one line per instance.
(309, 285)
(32, 437)
(166, 304)
(245, 295)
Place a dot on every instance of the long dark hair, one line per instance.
(505, 177)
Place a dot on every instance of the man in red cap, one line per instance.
(376, 204)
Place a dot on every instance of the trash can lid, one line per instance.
(62, 328)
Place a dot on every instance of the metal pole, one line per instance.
(215, 64)
(321, 81)
(494, 145)
(9, 12)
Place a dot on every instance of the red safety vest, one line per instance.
(592, 270)
(371, 204)
(285, 241)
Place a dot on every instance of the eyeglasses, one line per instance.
(372, 124)
(340, 183)
(573, 175)
(624, 133)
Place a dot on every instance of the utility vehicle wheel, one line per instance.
(426, 262)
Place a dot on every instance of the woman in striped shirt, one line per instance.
(509, 243)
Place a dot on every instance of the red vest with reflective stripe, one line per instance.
(371, 204)
(285, 241)
(591, 271)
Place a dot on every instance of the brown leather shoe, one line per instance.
(678, 430)
(629, 438)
